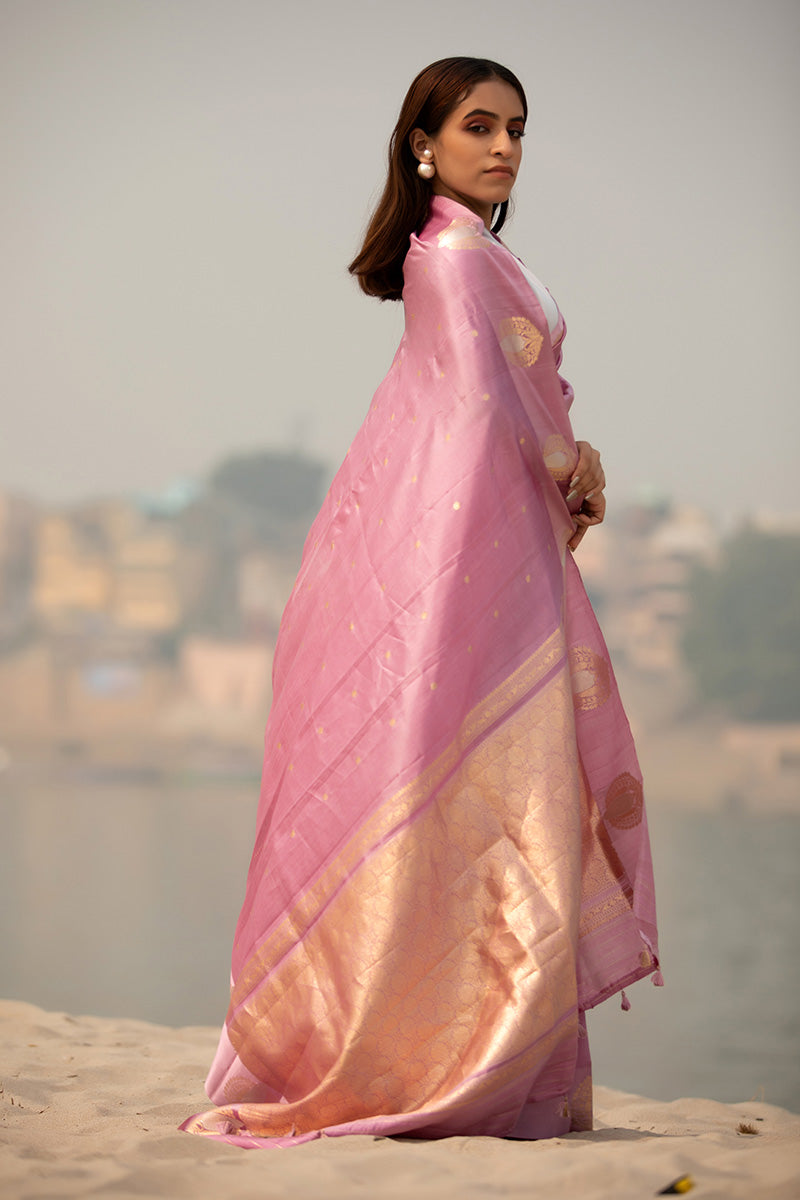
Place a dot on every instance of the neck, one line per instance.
(484, 211)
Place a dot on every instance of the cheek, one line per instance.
(463, 151)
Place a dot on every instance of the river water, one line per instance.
(121, 900)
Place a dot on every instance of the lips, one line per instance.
(500, 171)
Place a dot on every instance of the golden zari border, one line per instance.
(397, 809)
(416, 988)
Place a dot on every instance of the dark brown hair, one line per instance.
(403, 207)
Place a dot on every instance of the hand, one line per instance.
(589, 475)
(589, 479)
(591, 512)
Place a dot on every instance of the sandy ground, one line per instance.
(90, 1107)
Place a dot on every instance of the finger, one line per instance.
(582, 468)
(593, 478)
(596, 484)
(581, 522)
(593, 506)
(576, 538)
(588, 476)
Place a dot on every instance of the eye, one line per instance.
(516, 133)
(477, 127)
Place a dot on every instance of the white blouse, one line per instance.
(549, 306)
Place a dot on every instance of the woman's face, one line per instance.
(478, 150)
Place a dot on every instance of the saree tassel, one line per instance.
(625, 1003)
(658, 979)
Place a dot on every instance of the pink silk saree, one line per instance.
(451, 859)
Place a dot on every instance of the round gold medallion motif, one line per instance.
(461, 235)
(557, 456)
(520, 340)
(624, 802)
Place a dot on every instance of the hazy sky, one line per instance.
(184, 182)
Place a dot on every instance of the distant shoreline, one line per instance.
(686, 765)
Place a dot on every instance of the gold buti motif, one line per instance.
(591, 682)
(624, 802)
(461, 235)
(520, 340)
(557, 456)
(240, 1088)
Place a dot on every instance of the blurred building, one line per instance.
(18, 519)
(145, 572)
(106, 568)
(72, 574)
(766, 759)
(223, 694)
(72, 693)
(638, 569)
(265, 579)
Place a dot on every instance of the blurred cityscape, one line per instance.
(136, 634)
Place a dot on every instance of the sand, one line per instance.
(90, 1107)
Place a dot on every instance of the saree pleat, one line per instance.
(451, 860)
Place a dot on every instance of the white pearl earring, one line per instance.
(426, 169)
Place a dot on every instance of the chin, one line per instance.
(498, 194)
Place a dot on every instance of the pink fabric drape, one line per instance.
(451, 860)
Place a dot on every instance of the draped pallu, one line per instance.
(451, 861)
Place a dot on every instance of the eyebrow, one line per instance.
(484, 112)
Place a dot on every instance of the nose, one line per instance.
(503, 146)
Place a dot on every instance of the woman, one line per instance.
(451, 860)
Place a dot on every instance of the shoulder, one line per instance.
(449, 222)
(452, 229)
(453, 242)
(454, 251)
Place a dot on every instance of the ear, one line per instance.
(419, 141)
